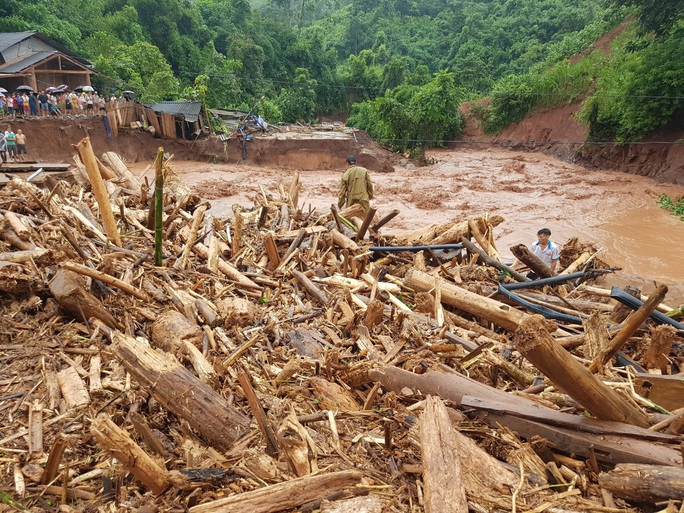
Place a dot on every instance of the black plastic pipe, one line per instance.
(554, 280)
(541, 310)
(390, 249)
(627, 299)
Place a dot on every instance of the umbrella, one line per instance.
(78, 89)
(3, 90)
(24, 88)
(87, 89)
(50, 89)
(129, 95)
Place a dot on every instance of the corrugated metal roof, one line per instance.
(189, 110)
(8, 39)
(24, 62)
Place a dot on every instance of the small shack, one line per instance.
(178, 119)
(167, 119)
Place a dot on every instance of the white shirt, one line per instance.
(547, 255)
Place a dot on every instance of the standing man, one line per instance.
(3, 146)
(11, 140)
(21, 146)
(356, 186)
(43, 101)
(544, 250)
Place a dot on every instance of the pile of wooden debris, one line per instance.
(278, 362)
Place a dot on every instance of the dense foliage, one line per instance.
(676, 206)
(402, 67)
(628, 92)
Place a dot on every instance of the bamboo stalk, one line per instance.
(105, 278)
(158, 206)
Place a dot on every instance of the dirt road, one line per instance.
(614, 210)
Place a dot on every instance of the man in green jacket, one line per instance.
(356, 186)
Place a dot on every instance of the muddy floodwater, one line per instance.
(613, 210)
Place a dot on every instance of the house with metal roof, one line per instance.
(31, 59)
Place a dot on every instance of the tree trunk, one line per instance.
(535, 343)
(500, 314)
(644, 483)
(179, 391)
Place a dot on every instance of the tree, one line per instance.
(655, 15)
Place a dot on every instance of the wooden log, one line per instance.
(121, 446)
(90, 162)
(367, 220)
(631, 324)
(581, 260)
(35, 434)
(172, 329)
(271, 250)
(106, 278)
(197, 217)
(492, 261)
(656, 357)
(644, 483)
(94, 381)
(449, 233)
(444, 488)
(72, 387)
(523, 253)
(283, 496)
(54, 459)
(481, 231)
(19, 257)
(259, 414)
(533, 341)
(231, 272)
(500, 314)
(10, 236)
(116, 164)
(311, 288)
(344, 242)
(383, 221)
(17, 225)
(175, 388)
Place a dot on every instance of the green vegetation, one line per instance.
(401, 67)
(673, 205)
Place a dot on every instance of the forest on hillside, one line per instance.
(400, 67)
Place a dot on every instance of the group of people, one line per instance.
(13, 146)
(25, 104)
(356, 188)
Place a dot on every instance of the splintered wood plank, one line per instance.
(283, 496)
(444, 489)
(611, 449)
(665, 391)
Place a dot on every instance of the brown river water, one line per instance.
(613, 210)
